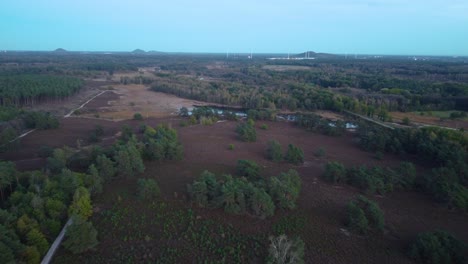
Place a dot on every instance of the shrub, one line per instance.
(320, 153)
(205, 189)
(295, 155)
(285, 189)
(247, 132)
(81, 205)
(81, 236)
(231, 146)
(335, 172)
(443, 184)
(137, 116)
(148, 189)
(264, 126)
(357, 220)
(184, 111)
(437, 247)
(379, 155)
(364, 214)
(249, 169)
(274, 151)
(45, 151)
(261, 203)
(406, 175)
(406, 121)
(283, 250)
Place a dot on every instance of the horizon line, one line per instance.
(351, 55)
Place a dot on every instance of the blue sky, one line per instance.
(419, 27)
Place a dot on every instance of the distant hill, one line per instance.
(312, 54)
(138, 51)
(60, 50)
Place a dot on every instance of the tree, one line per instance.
(137, 116)
(205, 190)
(335, 172)
(249, 169)
(247, 132)
(261, 203)
(295, 155)
(94, 180)
(357, 220)
(285, 251)
(37, 239)
(105, 167)
(285, 189)
(274, 151)
(80, 237)
(81, 204)
(364, 214)
(148, 189)
(8, 176)
(184, 111)
(437, 247)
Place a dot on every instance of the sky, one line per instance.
(394, 27)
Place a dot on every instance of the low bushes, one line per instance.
(245, 196)
(148, 189)
(364, 215)
(437, 247)
(246, 131)
(285, 250)
(372, 180)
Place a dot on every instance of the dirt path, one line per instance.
(81, 106)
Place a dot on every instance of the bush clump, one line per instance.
(246, 131)
(335, 172)
(437, 247)
(274, 151)
(285, 250)
(294, 155)
(365, 215)
(248, 169)
(148, 189)
(241, 196)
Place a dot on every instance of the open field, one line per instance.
(321, 204)
(438, 118)
(126, 100)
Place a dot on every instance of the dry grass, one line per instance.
(135, 98)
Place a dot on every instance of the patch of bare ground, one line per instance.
(126, 100)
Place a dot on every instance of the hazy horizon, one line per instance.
(374, 27)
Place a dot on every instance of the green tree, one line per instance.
(37, 239)
(261, 204)
(81, 204)
(94, 182)
(294, 155)
(285, 189)
(437, 247)
(137, 116)
(80, 237)
(249, 169)
(335, 172)
(247, 132)
(364, 214)
(148, 189)
(105, 167)
(274, 151)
